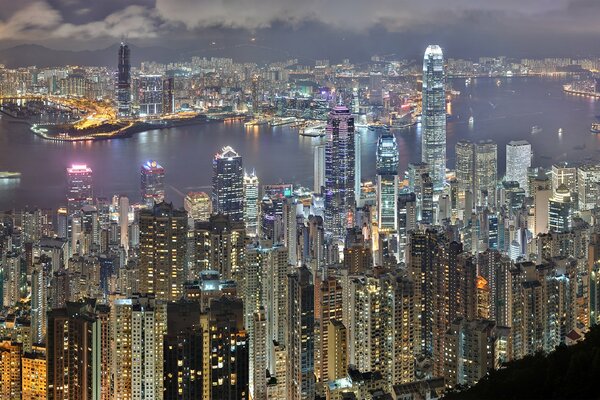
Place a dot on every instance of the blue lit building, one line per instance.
(228, 184)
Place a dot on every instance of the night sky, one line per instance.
(311, 28)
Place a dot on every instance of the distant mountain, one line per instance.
(33, 54)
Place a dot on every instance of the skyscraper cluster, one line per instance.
(257, 290)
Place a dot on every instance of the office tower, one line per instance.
(358, 257)
(226, 369)
(465, 161)
(319, 168)
(138, 325)
(255, 94)
(357, 167)
(427, 190)
(168, 95)
(407, 218)
(219, 245)
(74, 352)
(150, 95)
(124, 82)
(34, 374)
(355, 101)
(163, 231)
(251, 204)
(588, 189)
(564, 174)
(152, 183)
(39, 300)
(258, 369)
(79, 187)
(10, 369)
(339, 171)
(542, 195)
(290, 229)
(560, 210)
(486, 173)
(376, 89)
(337, 348)
(433, 140)
(472, 350)
(228, 184)
(300, 335)
(387, 182)
(198, 206)
(518, 160)
(328, 306)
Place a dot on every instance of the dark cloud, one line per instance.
(311, 26)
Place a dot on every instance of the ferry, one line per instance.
(313, 130)
(535, 129)
(471, 120)
(5, 175)
(595, 127)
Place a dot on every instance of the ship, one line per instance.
(595, 127)
(4, 175)
(282, 121)
(313, 130)
(535, 129)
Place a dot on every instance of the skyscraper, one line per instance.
(518, 160)
(339, 171)
(228, 184)
(79, 189)
(319, 168)
(124, 82)
(150, 95)
(486, 172)
(198, 206)
(465, 153)
(560, 209)
(251, 204)
(387, 182)
(433, 139)
(152, 183)
(163, 232)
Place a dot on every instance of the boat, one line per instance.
(5, 175)
(595, 127)
(560, 131)
(282, 121)
(313, 130)
(256, 122)
(535, 129)
(467, 81)
(471, 120)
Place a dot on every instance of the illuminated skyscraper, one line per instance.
(228, 184)
(198, 206)
(560, 210)
(79, 187)
(150, 95)
(124, 82)
(387, 182)
(251, 204)
(10, 369)
(433, 139)
(319, 168)
(486, 173)
(518, 160)
(163, 232)
(465, 153)
(340, 171)
(152, 183)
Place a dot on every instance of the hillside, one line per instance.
(567, 373)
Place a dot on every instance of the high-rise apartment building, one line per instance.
(251, 204)
(163, 232)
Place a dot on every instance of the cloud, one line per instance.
(34, 18)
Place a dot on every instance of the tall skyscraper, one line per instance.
(300, 336)
(518, 160)
(163, 232)
(228, 184)
(340, 171)
(152, 183)
(560, 210)
(319, 168)
(124, 222)
(433, 138)
(251, 204)
(387, 182)
(124, 82)
(486, 172)
(465, 153)
(79, 187)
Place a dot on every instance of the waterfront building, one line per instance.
(152, 182)
(124, 82)
(433, 139)
(518, 161)
(228, 184)
(150, 95)
(340, 171)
